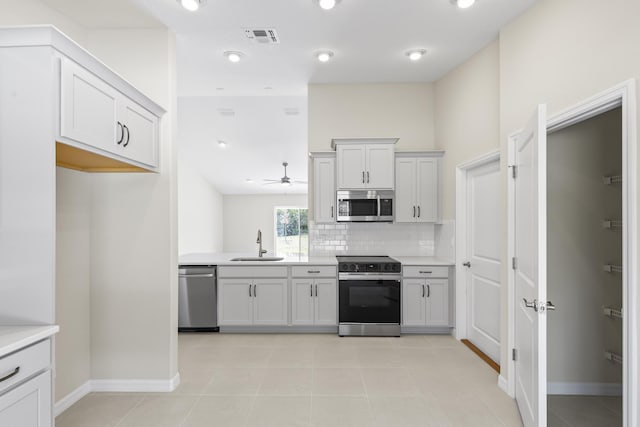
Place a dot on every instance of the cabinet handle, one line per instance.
(363, 177)
(10, 374)
(317, 292)
(331, 211)
(428, 291)
(414, 211)
(313, 271)
(424, 272)
(367, 177)
(255, 294)
(422, 291)
(121, 134)
(418, 211)
(128, 135)
(249, 290)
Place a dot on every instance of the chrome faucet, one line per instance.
(259, 242)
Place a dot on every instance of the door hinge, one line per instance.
(514, 171)
(513, 354)
(514, 263)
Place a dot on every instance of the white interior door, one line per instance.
(482, 276)
(530, 271)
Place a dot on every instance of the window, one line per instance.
(291, 231)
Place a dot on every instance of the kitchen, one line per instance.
(104, 213)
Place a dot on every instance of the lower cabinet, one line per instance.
(425, 302)
(252, 302)
(28, 405)
(313, 301)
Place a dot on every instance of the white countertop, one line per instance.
(225, 259)
(423, 260)
(14, 338)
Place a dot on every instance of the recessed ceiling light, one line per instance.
(416, 54)
(249, 180)
(463, 4)
(222, 144)
(327, 4)
(191, 5)
(233, 56)
(324, 55)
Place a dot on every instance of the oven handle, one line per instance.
(378, 198)
(368, 276)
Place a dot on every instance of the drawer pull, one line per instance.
(425, 272)
(313, 271)
(10, 374)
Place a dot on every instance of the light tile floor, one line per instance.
(584, 411)
(312, 380)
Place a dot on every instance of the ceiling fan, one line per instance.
(285, 181)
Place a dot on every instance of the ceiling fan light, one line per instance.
(190, 5)
(464, 4)
(327, 4)
(324, 55)
(416, 54)
(222, 144)
(286, 183)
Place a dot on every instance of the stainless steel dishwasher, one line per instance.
(197, 298)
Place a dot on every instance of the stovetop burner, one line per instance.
(369, 264)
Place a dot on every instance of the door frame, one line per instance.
(461, 235)
(622, 95)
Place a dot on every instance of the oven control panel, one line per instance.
(368, 267)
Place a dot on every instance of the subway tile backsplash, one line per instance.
(372, 239)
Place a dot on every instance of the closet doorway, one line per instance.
(573, 297)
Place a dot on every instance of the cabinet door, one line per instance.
(427, 189)
(437, 302)
(324, 189)
(270, 302)
(351, 166)
(140, 142)
(88, 108)
(28, 405)
(413, 302)
(234, 301)
(406, 209)
(302, 301)
(379, 161)
(325, 302)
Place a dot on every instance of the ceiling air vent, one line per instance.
(262, 35)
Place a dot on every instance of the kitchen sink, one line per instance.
(255, 258)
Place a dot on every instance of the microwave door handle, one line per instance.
(378, 198)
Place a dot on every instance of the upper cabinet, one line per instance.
(94, 115)
(365, 163)
(417, 187)
(324, 189)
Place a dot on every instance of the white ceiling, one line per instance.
(369, 39)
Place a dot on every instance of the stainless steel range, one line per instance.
(369, 296)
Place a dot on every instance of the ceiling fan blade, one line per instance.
(299, 181)
(270, 183)
(271, 180)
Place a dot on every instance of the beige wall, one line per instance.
(199, 213)
(467, 116)
(34, 12)
(245, 214)
(402, 110)
(562, 52)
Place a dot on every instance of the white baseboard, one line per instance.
(71, 398)
(126, 386)
(585, 389)
(503, 384)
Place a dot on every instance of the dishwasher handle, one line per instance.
(197, 275)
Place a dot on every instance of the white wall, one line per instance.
(467, 116)
(562, 52)
(34, 12)
(245, 214)
(402, 110)
(200, 213)
(578, 333)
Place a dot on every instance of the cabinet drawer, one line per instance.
(225, 271)
(25, 363)
(314, 271)
(425, 271)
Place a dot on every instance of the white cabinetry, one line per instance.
(95, 114)
(324, 189)
(365, 163)
(258, 298)
(417, 188)
(425, 299)
(25, 387)
(314, 296)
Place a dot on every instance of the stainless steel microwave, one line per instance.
(365, 206)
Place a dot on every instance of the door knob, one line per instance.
(533, 304)
(466, 264)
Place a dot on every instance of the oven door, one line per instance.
(369, 300)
